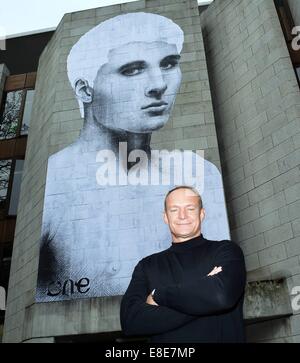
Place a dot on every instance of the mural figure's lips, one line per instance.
(155, 105)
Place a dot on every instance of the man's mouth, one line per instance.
(156, 106)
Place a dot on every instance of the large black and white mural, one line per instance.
(104, 195)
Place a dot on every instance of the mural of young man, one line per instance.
(126, 74)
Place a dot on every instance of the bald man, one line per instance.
(194, 290)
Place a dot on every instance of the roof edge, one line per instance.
(32, 32)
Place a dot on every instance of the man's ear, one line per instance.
(83, 91)
(165, 217)
(202, 214)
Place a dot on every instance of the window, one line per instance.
(16, 114)
(16, 106)
(6, 254)
(10, 116)
(27, 112)
(5, 169)
(10, 184)
(16, 185)
(298, 72)
(287, 24)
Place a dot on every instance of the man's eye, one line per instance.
(132, 71)
(173, 210)
(169, 65)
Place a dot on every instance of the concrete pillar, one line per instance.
(257, 108)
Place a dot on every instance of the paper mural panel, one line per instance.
(105, 192)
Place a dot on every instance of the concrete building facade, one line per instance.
(239, 102)
(256, 102)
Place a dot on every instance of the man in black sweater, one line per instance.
(194, 290)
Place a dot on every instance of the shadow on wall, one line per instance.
(275, 331)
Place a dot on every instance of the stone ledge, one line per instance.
(265, 300)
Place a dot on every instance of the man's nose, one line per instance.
(182, 214)
(156, 86)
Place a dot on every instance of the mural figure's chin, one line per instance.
(156, 122)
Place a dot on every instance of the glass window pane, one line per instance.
(298, 72)
(27, 112)
(10, 117)
(295, 11)
(5, 166)
(15, 191)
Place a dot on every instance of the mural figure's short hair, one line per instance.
(91, 51)
(192, 189)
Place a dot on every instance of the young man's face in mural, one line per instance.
(136, 89)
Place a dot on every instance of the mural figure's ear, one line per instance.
(83, 91)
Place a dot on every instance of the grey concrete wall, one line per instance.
(257, 107)
(24, 263)
(55, 124)
(295, 10)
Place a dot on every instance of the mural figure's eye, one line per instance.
(132, 69)
(170, 62)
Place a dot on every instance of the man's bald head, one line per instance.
(190, 191)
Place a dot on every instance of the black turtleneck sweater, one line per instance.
(193, 307)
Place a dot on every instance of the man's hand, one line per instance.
(150, 300)
(215, 271)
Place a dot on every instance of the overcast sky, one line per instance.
(22, 16)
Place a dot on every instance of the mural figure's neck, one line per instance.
(98, 137)
(137, 142)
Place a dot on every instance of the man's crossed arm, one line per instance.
(141, 318)
(213, 293)
(177, 304)
(214, 271)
